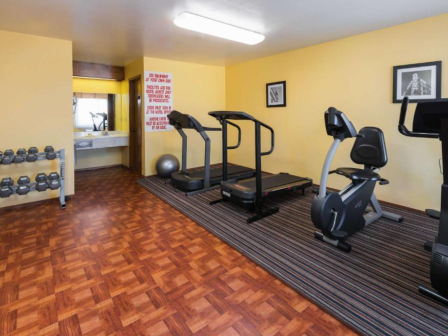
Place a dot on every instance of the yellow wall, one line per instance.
(101, 157)
(355, 76)
(35, 105)
(197, 89)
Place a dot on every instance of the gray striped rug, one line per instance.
(372, 290)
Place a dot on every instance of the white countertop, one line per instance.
(100, 135)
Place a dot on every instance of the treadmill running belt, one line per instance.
(271, 181)
(194, 180)
(217, 172)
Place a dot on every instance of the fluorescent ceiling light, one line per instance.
(211, 27)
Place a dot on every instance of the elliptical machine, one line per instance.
(431, 121)
(339, 215)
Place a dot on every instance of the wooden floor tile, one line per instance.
(119, 261)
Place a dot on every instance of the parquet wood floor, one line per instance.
(119, 261)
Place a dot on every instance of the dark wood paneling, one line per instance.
(135, 125)
(111, 112)
(93, 70)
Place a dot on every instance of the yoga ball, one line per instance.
(167, 164)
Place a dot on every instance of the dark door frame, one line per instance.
(135, 126)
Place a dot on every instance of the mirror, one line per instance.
(97, 112)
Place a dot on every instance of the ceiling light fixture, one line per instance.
(211, 27)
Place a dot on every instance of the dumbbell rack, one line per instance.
(42, 156)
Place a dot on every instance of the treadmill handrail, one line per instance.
(238, 115)
(185, 121)
(405, 131)
(272, 138)
(239, 135)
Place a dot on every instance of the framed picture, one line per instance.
(276, 94)
(419, 82)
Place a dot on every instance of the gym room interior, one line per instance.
(223, 167)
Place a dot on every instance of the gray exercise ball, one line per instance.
(166, 165)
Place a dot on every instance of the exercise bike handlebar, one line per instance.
(239, 135)
(405, 131)
(272, 138)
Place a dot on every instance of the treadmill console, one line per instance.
(427, 118)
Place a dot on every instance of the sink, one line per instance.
(96, 135)
(92, 140)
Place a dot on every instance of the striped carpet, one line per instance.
(372, 290)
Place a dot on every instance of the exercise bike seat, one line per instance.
(356, 174)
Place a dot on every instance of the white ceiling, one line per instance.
(119, 31)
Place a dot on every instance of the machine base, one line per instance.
(433, 213)
(262, 214)
(428, 246)
(432, 293)
(340, 244)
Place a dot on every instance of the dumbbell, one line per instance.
(53, 181)
(20, 155)
(32, 154)
(23, 187)
(41, 180)
(51, 155)
(8, 157)
(6, 187)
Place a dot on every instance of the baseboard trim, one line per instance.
(101, 167)
(333, 189)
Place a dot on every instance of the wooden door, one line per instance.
(135, 124)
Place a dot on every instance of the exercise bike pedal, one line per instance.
(340, 235)
(384, 182)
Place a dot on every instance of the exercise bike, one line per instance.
(339, 215)
(431, 121)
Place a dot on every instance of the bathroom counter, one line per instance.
(95, 140)
(100, 135)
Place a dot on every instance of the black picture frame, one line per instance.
(269, 92)
(399, 73)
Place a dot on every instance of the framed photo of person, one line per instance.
(419, 82)
(276, 94)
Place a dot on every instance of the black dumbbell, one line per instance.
(51, 155)
(53, 181)
(41, 180)
(1, 156)
(23, 187)
(8, 157)
(20, 155)
(32, 154)
(6, 187)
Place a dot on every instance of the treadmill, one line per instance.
(251, 193)
(431, 121)
(199, 181)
